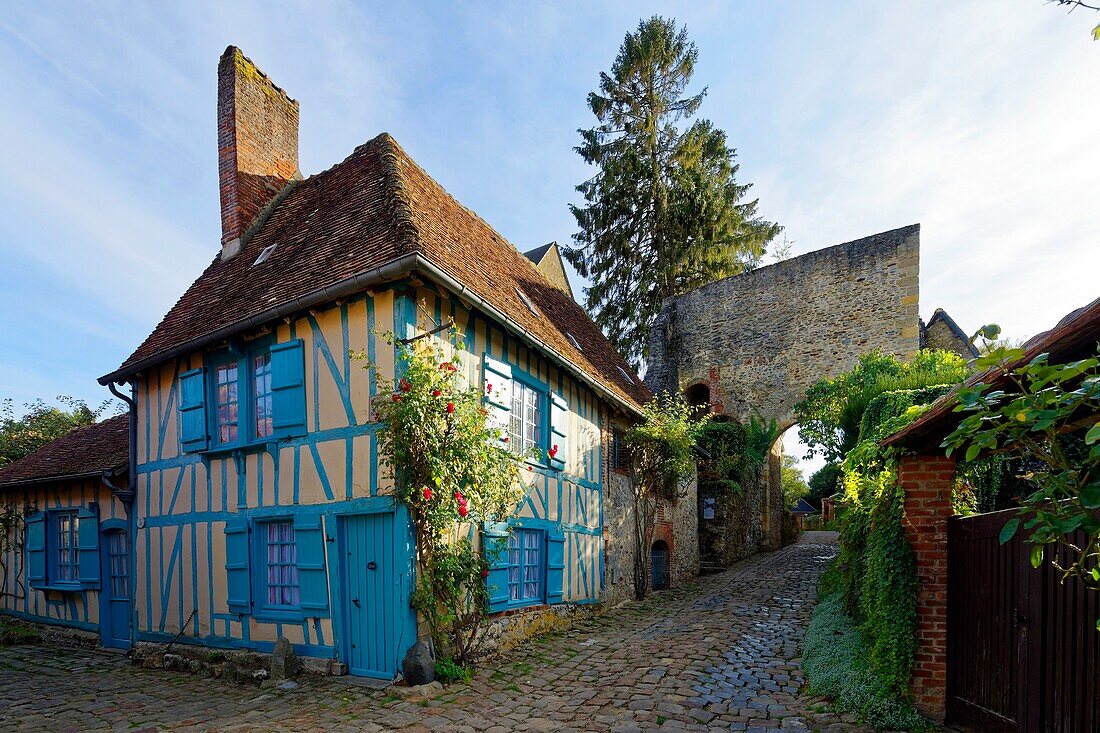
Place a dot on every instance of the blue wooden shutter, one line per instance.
(309, 541)
(237, 575)
(498, 399)
(288, 389)
(36, 549)
(193, 426)
(494, 546)
(559, 422)
(87, 546)
(555, 565)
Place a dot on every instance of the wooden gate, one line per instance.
(1023, 652)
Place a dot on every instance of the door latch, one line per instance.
(372, 565)
(355, 601)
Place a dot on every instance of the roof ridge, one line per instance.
(399, 153)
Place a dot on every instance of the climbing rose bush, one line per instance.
(451, 468)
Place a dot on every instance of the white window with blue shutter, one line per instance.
(557, 448)
(496, 386)
(62, 548)
(275, 567)
(238, 580)
(244, 397)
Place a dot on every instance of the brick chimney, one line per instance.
(257, 144)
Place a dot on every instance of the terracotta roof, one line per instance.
(378, 214)
(88, 451)
(1076, 336)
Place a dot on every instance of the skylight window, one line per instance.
(527, 302)
(573, 340)
(265, 254)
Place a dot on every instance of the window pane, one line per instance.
(261, 368)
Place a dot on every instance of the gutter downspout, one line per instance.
(131, 477)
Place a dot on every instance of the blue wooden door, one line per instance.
(372, 592)
(114, 607)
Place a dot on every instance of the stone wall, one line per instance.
(747, 521)
(677, 523)
(943, 333)
(757, 341)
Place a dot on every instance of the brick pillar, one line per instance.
(927, 482)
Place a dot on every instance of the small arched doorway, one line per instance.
(698, 396)
(659, 567)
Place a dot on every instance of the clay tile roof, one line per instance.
(91, 450)
(377, 208)
(1076, 336)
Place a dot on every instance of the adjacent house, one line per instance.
(65, 549)
(261, 511)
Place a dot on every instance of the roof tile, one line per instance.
(374, 207)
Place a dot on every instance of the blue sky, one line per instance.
(977, 119)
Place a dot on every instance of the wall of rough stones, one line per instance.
(677, 524)
(759, 340)
(747, 521)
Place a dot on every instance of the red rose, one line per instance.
(489, 388)
(458, 495)
(436, 393)
(396, 397)
(530, 468)
(485, 573)
(405, 386)
(427, 494)
(450, 407)
(448, 367)
(505, 438)
(462, 511)
(553, 451)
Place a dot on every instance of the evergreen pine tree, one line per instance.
(664, 213)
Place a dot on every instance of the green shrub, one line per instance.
(448, 670)
(834, 660)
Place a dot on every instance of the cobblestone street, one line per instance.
(720, 653)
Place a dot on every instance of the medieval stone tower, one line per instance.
(755, 342)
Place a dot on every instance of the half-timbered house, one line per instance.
(261, 511)
(65, 549)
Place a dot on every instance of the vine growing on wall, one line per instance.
(662, 463)
(11, 542)
(451, 469)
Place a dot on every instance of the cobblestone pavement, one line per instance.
(718, 653)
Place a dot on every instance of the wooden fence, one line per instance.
(1023, 651)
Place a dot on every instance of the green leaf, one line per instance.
(972, 452)
(1090, 495)
(989, 332)
(1096, 37)
(1093, 435)
(1009, 530)
(1036, 556)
